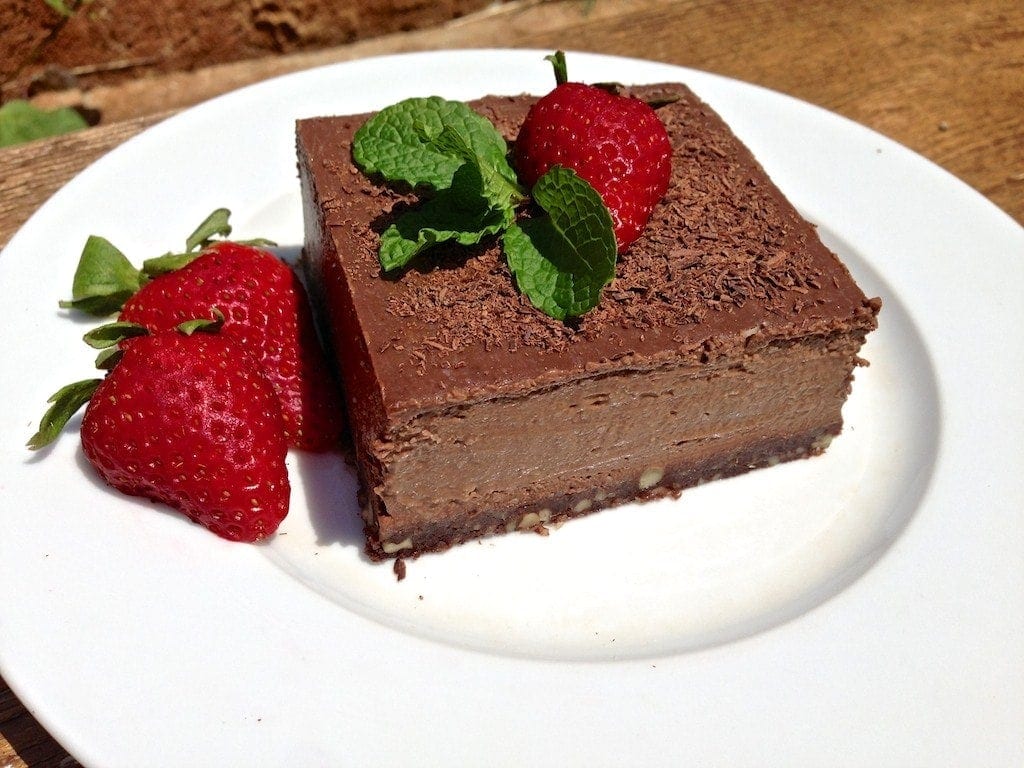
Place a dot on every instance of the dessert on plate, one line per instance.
(725, 341)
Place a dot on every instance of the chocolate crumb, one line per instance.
(399, 569)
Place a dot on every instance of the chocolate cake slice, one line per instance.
(726, 342)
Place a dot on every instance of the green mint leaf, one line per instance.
(562, 261)
(21, 121)
(424, 141)
(498, 182)
(111, 334)
(65, 403)
(214, 224)
(104, 279)
(460, 214)
(448, 148)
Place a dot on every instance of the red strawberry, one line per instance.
(618, 144)
(266, 310)
(192, 421)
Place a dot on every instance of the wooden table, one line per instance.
(945, 79)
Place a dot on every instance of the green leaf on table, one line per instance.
(21, 121)
(563, 260)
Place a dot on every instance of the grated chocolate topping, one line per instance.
(718, 240)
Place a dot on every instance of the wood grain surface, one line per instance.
(945, 79)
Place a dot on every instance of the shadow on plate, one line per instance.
(329, 486)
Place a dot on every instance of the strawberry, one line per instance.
(187, 420)
(267, 312)
(264, 302)
(616, 143)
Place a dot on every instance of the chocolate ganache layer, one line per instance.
(726, 341)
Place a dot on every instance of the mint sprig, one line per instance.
(446, 148)
(461, 213)
(561, 261)
(424, 141)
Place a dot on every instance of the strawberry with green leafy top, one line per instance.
(267, 313)
(186, 418)
(618, 144)
(265, 310)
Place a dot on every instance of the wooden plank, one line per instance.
(23, 742)
(30, 173)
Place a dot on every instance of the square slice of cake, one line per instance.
(726, 341)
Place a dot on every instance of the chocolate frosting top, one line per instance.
(726, 262)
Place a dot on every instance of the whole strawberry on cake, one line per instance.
(617, 145)
(543, 306)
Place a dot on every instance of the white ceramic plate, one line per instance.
(862, 608)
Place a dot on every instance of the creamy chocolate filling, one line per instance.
(576, 447)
